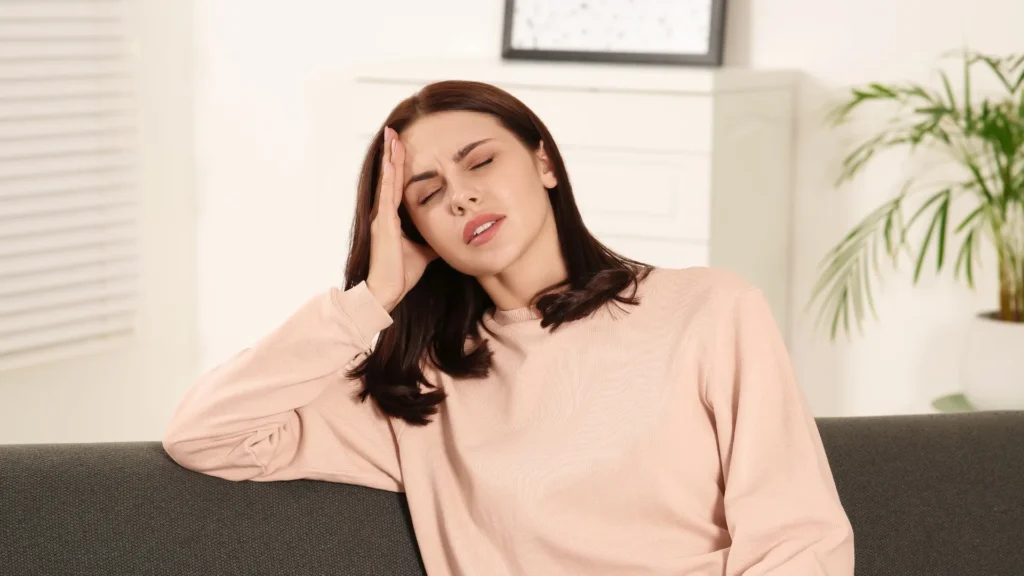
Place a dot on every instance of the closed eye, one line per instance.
(429, 196)
(482, 164)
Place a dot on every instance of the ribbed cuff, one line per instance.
(363, 310)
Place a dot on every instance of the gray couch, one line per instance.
(930, 495)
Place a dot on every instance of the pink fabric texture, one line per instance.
(669, 438)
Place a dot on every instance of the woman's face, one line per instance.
(475, 193)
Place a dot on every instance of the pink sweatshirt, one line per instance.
(668, 438)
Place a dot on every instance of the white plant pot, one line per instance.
(992, 367)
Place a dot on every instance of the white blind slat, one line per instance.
(78, 225)
(53, 10)
(60, 183)
(62, 260)
(79, 199)
(42, 166)
(66, 28)
(14, 150)
(34, 246)
(100, 47)
(44, 69)
(22, 304)
(19, 118)
(66, 350)
(61, 278)
(65, 86)
(98, 322)
(58, 351)
(114, 129)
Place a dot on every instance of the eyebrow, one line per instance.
(458, 157)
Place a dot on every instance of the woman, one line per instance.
(547, 406)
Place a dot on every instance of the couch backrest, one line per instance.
(935, 495)
(128, 509)
(932, 495)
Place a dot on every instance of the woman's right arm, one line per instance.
(284, 409)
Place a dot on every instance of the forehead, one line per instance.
(447, 132)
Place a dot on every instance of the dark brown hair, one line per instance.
(436, 319)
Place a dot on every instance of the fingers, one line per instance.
(398, 165)
(386, 196)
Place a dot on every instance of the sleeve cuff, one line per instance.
(364, 311)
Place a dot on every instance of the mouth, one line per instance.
(481, 229)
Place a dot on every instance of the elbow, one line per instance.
(845, 545)
(184, 451)
(840, 535)
(822, 548)
(180, 440)
(831, 553)
(228, 458)
(176, 449)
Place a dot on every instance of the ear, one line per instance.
(545, 168)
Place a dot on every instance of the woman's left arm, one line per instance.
(781, 504)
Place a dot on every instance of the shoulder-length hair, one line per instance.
(442, 313)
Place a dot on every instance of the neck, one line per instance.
(540, 266)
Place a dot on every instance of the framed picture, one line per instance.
(682, 32)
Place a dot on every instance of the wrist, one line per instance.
(385, 302)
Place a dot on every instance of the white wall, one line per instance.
(271, 230)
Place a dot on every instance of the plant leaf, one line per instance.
(1019, 63)
(968, 107)
(964, 259)
(844, 286)
(993, 65)
(940, 252)
(970, 218)
(937, 197)
(866, 276)
(935, 229)
(949, 91)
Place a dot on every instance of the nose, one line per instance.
(464, 198)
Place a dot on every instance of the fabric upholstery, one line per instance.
(120, 509)
(932, 495)
(928, 495)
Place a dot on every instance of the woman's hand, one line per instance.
(396, 263)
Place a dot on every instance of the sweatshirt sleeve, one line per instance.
(284, 409)
(781, 505)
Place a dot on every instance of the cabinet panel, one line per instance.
(659, 252)
(650, 195)
(665, 122)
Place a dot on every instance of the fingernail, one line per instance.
(385, 134)
(393, 146)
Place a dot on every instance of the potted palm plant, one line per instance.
(983, 137)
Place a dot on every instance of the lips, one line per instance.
(472, 225)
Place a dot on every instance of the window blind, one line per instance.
(68, 221)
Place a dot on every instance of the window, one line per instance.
(68, 254)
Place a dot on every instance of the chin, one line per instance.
(482, 262)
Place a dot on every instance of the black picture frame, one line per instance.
(712, 58)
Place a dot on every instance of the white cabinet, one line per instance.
(672, 166)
